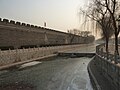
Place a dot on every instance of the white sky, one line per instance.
(59, 14)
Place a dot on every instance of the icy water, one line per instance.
(58, 74)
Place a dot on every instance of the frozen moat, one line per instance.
(58, 74)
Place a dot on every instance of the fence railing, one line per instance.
(110, 56)
(108, 67)
(18, 55)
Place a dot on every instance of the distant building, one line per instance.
(45, 24)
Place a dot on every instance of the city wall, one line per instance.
(17, 34)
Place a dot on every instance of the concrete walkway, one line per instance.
(85, 48)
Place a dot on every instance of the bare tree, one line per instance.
(73, 33)
(112, 7)
(84, 33)
(97, 12)
(107, 31)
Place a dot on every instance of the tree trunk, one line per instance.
(107, 40)
(116, 44)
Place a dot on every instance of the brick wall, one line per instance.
(19, 34)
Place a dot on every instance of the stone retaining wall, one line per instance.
(92, 77)
(19, 55)
(108, 67)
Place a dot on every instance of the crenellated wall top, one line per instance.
(21, 24)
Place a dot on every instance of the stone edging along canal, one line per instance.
(92, 77)
(31, 60)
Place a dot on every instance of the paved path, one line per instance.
(85, 48)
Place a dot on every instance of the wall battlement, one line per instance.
(21, 24)
(14, 34)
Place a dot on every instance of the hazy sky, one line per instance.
(59, 14)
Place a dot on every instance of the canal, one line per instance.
(62, 73)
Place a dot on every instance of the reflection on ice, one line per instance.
(81, 79)
(30, 64)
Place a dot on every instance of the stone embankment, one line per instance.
(14, 57)
(104, 73)
(98, 80)
(94, 82)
